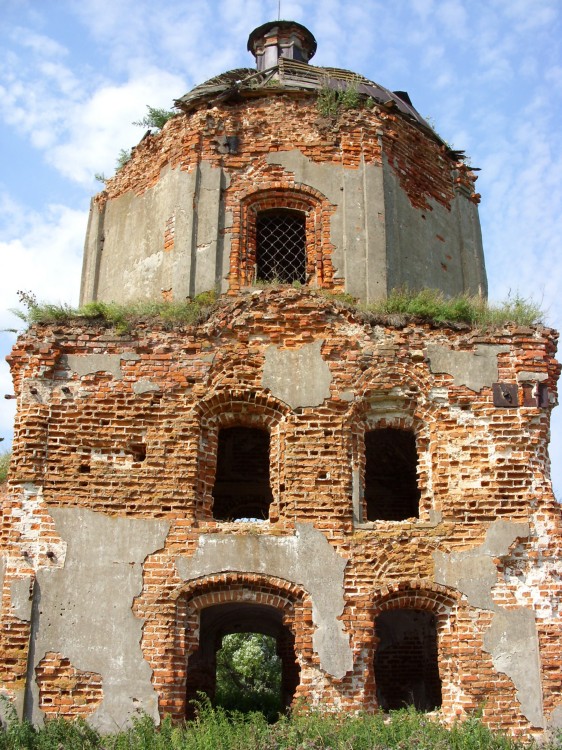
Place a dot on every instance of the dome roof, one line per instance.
(293, 76)
(290, 75)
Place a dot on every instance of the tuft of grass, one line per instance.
(5, 458)
(122, 158)
(332, 101)
(156, 117)
(432, 306)
(121, 317)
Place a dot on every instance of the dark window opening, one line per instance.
(242, 489)
(281, 246)
(245, 661)
(391, 484)
(406, 668)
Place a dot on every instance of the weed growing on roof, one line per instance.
(433, 306)
(332, 101)
(156, 118)
(120, 317)
(427, 305)
(122, 158)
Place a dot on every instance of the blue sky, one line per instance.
(75, 74)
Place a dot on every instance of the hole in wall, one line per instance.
(138, 451)
(245, 660)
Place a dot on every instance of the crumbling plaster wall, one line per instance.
(134, 531)
(171, 218)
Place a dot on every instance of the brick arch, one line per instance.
(416, 594)
(182, 635)
(267, 409)
(385, 376)
(317, 210)
(232, 408)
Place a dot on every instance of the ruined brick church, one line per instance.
(371, 491)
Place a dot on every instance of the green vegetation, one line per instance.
(431, 305)
(121, 317)
(428, 305)
(156, 118)
(249, 674)
(331, 101)
(122, 158)
(5, 457)
(217, 729)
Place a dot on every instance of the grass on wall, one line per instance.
(433, 306)
(120, 317)
(427, 306)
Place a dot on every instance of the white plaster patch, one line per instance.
(299, 377)
(89, 364)
(512, 638)
(306, 559)
(474, 369)
(85, 610)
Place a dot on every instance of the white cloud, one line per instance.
(79, 119)
(38, 43)
(41, 253)
(99, 127)
(45, 258)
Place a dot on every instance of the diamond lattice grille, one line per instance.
(281, 254)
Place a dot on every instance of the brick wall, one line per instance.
(98, 442)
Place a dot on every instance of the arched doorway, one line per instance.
(220, 620)
(406, 660)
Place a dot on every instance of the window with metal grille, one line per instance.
(281, 251)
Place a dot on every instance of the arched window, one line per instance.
(242, 487)
(391, 488)
(406, 665)
(281, 246)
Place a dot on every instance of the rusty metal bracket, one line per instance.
(535, 394)
(506, 395)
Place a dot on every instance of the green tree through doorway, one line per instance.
(249, 674)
